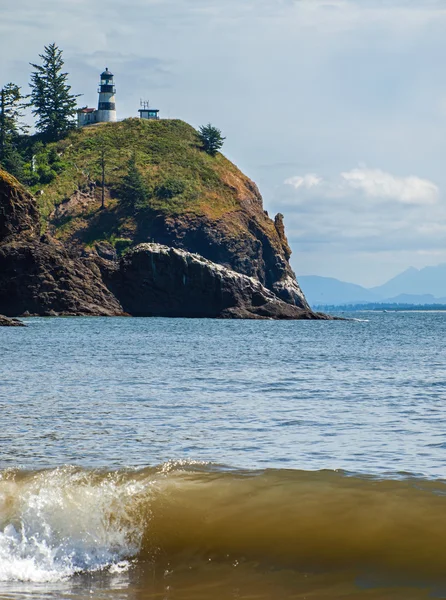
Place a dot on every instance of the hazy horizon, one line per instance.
(371, 287)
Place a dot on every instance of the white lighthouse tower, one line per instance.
(107, 103)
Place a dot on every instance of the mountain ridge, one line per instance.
(412, 286)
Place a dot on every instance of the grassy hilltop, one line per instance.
(180, 178)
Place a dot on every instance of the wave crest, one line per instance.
(57, 523)
(54, 524)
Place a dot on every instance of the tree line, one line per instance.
(52, 104)
(54, 107)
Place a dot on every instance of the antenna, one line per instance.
(145, 104)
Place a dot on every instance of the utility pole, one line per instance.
(2, 124)
(103, 179)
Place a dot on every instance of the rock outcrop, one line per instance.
(41, 278)
(37, 274)
(40, 275)
(6, 322)
(201, 204)
(157, 280)
(18, 211)
(245, 241)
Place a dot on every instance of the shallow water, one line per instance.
(218, 459)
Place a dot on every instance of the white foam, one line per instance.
(59, 523)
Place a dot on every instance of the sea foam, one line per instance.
(58, 523)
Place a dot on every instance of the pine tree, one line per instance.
(54, 105)
(211, 139)
(12, 105)
(134, 190)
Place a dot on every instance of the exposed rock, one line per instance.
(246, 241)
(106, 251)
(6, 322)
(78, 202)
(43, 279)
(280, 228)
(288, 290)
(38, 275)
(157, 280)
(18, 209)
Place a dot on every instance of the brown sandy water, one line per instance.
(198, 531)
(336, 430)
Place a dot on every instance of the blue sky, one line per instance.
(336, 108)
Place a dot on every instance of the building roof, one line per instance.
(106, 74)
(86, 110)
(148, 110)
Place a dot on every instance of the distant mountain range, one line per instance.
(413, 286)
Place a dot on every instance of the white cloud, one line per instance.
(372, 185)
(379, 184)
(307, 181)
(363, 210)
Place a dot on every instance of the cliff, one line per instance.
(18, 211)
(197, 244)
(156, 280)
(193, 201)
(38, 275)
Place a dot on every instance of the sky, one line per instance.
(335, 108)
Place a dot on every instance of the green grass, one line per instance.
(168, 156)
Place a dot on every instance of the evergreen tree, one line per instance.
(134, 190)
(54, 105)
(211, 139)
(12, 104)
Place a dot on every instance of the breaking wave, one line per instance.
(55, 524)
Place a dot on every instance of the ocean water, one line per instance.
(195, 459)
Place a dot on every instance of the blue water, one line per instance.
(363, 396)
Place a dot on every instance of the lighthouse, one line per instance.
(107, 103)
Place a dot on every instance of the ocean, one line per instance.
(184, 459)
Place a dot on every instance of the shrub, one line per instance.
(134, 191)
(170, 188)
(53, 157)
(122, 245)
(46, 174)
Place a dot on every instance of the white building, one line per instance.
(106, 111)
(148, 113)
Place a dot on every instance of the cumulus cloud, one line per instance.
(379, 184)
(374, 184)
(307, 181)
(363, 210)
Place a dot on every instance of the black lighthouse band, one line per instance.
(106, 106)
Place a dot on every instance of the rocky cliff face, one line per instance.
(41, 278)
(38, 275)
(18, 211)
(157, 280)
(228, 264)
(194, 202)
(256, 250)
